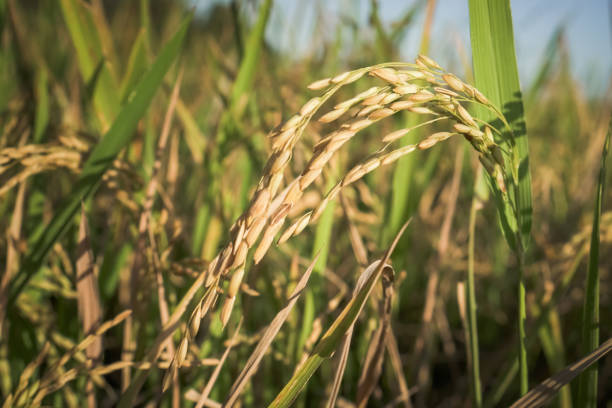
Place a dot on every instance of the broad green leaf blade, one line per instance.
(496, 75)
(587, 386)
(118, 136)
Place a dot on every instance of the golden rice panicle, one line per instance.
(423, 88)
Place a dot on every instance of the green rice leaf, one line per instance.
(88, 46)
(496, 75)
(587, 385)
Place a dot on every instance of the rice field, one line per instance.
(191, 216)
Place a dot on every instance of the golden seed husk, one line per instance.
(429, 62)
(470, 91)
(280, 141)
(310, 106)
(465, 115)
(401, 105)
(235, 282)
(360, 124)
(281, 159)
(347, 104)
(421, 110)
(414, 74)
(354, 76)
(281, 214)
(240, 232)
(461, 128)
(333, 192)
(266, 241)
(321, 159)
(293, 192)
(489, 136)
(240, 254)
(320, 84)
(374, 99)
(353, 175)
(260, 203)
(275, 182)
(195, 321)
(386, 74)
(309, 177)
(367, 110)
(254, 230)
(288, 233)
(406, 89)
(371, 165)
(332, 115)
(393, 136)
(302, 222)
(292, 123)
(182, 351)
(226, 310)
(226, 258)
(210, 278)
(368, 92)
(341, 77)
(421, 96)
(446, 92)
(391, 157)
(381, 113)
(454, 82)
(390, 98)
(480, 97)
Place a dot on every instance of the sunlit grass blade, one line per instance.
(587, 386)
(42, 105)
(118, 136)
(266, 339)
(248, 67)
(333, 336)
(543, 393)
(496, 74)
(137, 65)
(88, 47)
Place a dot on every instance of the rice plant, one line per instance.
(192, 217)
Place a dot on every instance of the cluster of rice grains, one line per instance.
(422, 88)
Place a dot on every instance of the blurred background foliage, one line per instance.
(69, 67)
